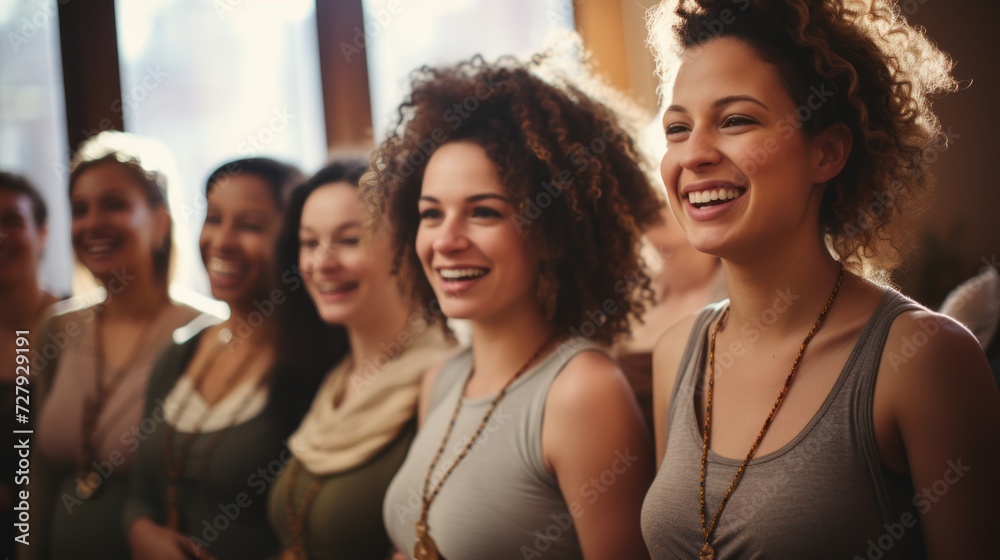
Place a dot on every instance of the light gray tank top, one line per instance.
(500, 502)
(823, 495)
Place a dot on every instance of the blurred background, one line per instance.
(302, 79)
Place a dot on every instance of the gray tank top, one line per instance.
(500, 502)
(823, 495)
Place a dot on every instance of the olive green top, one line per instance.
(345, 519)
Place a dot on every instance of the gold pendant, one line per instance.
(424, 549)
(88, 485)
(707, 552)
(83, 490)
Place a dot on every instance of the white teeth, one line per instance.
(462, 273)
(99, 246)
(701, 197)
(327, 288)
(220, 266)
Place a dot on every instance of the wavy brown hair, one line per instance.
(563, 153)
(882, 74)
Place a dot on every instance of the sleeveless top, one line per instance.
(822, 495)
(500, 502)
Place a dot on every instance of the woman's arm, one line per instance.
(940, 420)
(594, 440)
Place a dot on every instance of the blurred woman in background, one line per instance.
(223, 406)
(357, 320)
(94, 358)
(23, 231)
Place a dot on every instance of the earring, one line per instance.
(547, 292)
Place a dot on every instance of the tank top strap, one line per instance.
(692, 361)
(863, 373)
(451, 372)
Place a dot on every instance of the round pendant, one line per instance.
(83, 490)
(707, 552)
(425, 549)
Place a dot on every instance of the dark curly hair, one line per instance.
(882, 73)
(563, 153)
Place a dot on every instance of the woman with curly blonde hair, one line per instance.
(816, 413)
(518, 204)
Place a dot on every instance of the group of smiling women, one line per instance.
(335, 415)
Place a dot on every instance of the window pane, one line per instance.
(405, 34)
(33, 120)
(216, 81)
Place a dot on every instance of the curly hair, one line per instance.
(883, 74)
(560, 150)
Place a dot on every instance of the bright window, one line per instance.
(216, 81)
(402, 35)
(33, 120)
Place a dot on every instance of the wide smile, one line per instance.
(99, 248)
(458, 280)
(331, 291)
(225, 273)
(709, 200)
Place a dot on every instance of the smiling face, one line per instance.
(347, 271)
(479, 265)
(238, 238)
(114, 227)
(21, 240)
(739, 172)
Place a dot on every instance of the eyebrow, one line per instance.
(723, 101)
(473, 198)
(341, 227)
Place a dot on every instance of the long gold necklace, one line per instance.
(175, 463)
(425, 547)
(89, 482)
(707, 552)
(297, 519)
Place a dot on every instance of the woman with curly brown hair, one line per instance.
(520, 201)
(798, 132)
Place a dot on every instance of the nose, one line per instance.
(451, 237)
(700, 150)
(226, 238)
(324, 258)
(88, 219)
